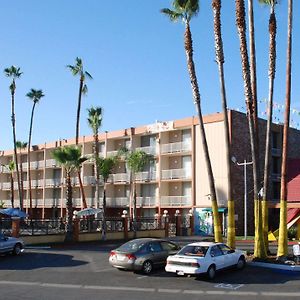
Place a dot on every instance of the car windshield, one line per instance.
(193, 250)
(131, 246)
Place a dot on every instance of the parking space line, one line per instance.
(120, 288)
(192, 292)
(62, 285)
(273, 294)
(170, 291)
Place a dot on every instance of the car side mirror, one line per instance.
(231, 251)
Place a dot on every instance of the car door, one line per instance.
(217, 257)
(158, 255)
(4, 244)
(229, 255)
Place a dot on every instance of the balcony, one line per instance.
(89, 180)
(37, 164)
(53, 182)
(112, 153)
(149, 149)
(4, 169)
(121, 177)
(117, 202)
(51, 163)
(50, 202)
(145, 176)
(37, 183)
(176, 174)
(176, 147)
(176, 201)
(146, 201)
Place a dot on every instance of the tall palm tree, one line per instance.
(35, 96)
(21, 145)
(216, 6)
(272, 70)
(70, 158)
(185, 10)
(259, 249)
(11, 168)
(282, 241)
(105, 167)
(78, 70)
(136, 161)
(95, 121)
(14, 73)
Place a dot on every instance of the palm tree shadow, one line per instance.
(32, 261)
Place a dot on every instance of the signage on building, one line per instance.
(160, 126)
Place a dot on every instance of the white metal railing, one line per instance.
(4, 169)
(77, 202)
(145, 176)
(112, 153)
(89, 180)
(37, 202)
(37, 183)
(148, 149)
(53, 182)
(176, 147)
(117, 202)
(51, 163)
(176, 174)
(176, 201)
(121, 177)
(37, 164)
(5, 186)
(146, 201)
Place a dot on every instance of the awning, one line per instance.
(220, 209)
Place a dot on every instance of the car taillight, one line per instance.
(195, 265)
(112, 253)
(130, 256)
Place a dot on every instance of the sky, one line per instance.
(137, 60)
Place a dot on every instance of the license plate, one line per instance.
(121, 257)
(180, 273)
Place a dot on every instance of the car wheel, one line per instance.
(147, 267)
(241, 263)
(211, 272)
(17, 249)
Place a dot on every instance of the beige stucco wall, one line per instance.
(216, 144)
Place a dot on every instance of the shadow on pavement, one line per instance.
(31, 261)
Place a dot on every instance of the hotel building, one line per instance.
(177, 180)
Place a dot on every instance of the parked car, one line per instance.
(142, 254)
(11, 245)
(204, 258)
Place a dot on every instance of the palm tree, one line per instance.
(21, 145)
(216, 6)
(14, 73)
(35, 96)
(272, 70)
(282, 241)
(11, 168)
(105, 167)
(136, 161)
(185, 10)
(70, 158)
(95, 121)
(77, 70)
(259, 249)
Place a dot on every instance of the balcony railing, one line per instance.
(51, 163)
(176, 201)
(176, 147)
(53, 182)
(117, 202)
(4, 169)
(37, 164)
(176, 174)
(121, 177)
(146, 201)
(148, 149)
(145, 176)
(112, 153)
(87, 180)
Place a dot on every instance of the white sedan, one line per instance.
(204, 258)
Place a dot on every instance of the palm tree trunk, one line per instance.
(13, 120)
(188, 43)
(259, 249)
(104, 213)
(81, 189)
(21, 177)
(134, 210)
(28, 161)
(78, 110)
(96, 168)
(69, 210)
(282, 241)
(272, 68)
(216, 5)
(12, 195)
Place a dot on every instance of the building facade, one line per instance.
(177, 180)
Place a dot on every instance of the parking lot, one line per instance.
(83, 271)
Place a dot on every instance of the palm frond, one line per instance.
(173, 15)
(88, 75)
(84, 89)
(35, 95)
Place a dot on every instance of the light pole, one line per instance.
(245, 164)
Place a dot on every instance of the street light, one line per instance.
(245, 164)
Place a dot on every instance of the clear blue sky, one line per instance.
(136, 57)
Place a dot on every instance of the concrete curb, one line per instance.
(292, 268)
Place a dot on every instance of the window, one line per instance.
(225, 249)
(168, 246)
(155, 247)
(215, 251)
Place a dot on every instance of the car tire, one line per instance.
(147, 267)
(211, 272)
(17, 249)
(241, 263)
